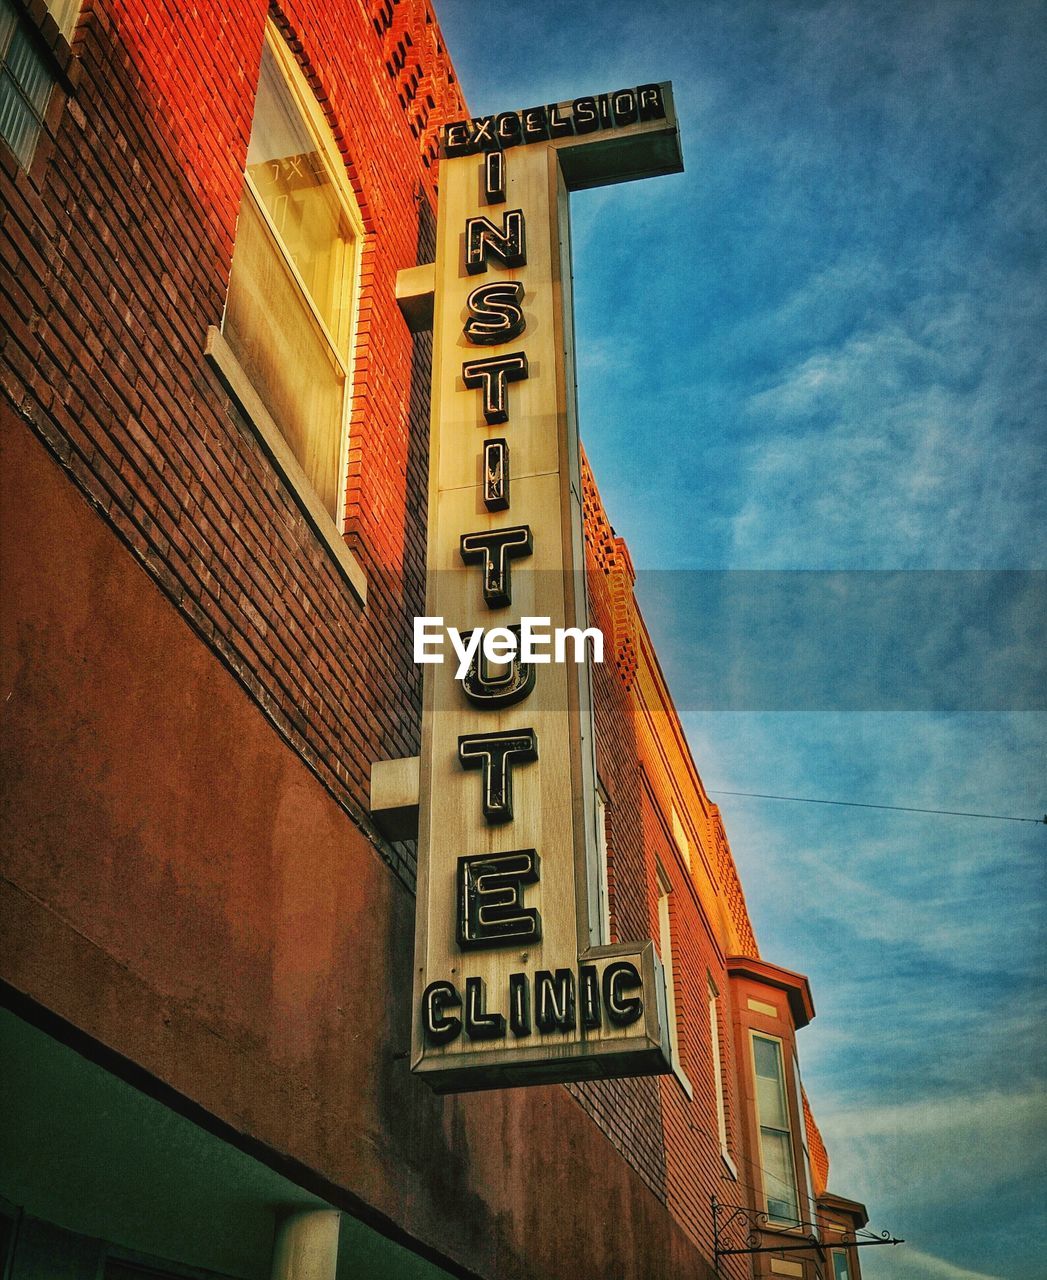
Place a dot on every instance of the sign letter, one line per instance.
(496, 475)
(554, 1000)
(495, 314)
(491, 376)
(494, 692)
(479, 1024)
(622, 1009)
(490, 900)
(495, 754)
(483, 238)
(493, 550)
(440, 1028)
(494, 177)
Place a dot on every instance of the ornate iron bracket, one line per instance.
(750, 1223)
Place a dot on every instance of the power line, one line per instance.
(897, 808)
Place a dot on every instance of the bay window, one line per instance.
(776, 1144)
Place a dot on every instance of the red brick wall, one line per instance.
(115, 260)
(696, 1170)
(628, 1111)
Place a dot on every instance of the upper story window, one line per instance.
(718, 1074)
(841, 1271)
(680, 836)
(772, 1115)
(290, 313)
(26, 75)
(665, 951)
(603, 903)
(807, 1190)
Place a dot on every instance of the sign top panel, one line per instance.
(603, 138)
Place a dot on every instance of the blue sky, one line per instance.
(821, 348)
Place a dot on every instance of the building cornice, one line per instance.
(795, 985)
(830, 1203)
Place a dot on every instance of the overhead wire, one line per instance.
(860, 804)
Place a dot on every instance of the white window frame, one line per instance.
(680, 837)
(329, 530)
(319, 130)
(807, 1191)
(845, 1255)
(718, 1078)
(665, 952)
(603, 896)
(789, 1133)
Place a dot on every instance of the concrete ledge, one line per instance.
(415, 287)
(394, 797)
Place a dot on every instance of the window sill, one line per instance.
(241, 390)
(779, 1227)
(729, 1165)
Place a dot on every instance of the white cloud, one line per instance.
(915, 1163)
(914, 1264)
(989, 1114)
(890, 447)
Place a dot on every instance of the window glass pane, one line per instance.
(18, 126)
(279, 344)
(765, 1053)
(8, 22)
(601, 867)
(779, 1183)
(770, 1096)
(293, 184)
(771, 1104)
(714, 1036)
(840, 1269)
(29, 70)
(665, 949)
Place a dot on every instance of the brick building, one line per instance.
(215, 451)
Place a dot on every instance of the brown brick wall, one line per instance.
(115, 260)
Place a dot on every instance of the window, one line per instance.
(721, 1103)
(602, 894)
(841, 1271)
(680, 836)
(26, 75)
(772, 1114)
(289, 316)
(811, 1210)
(665, 949)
